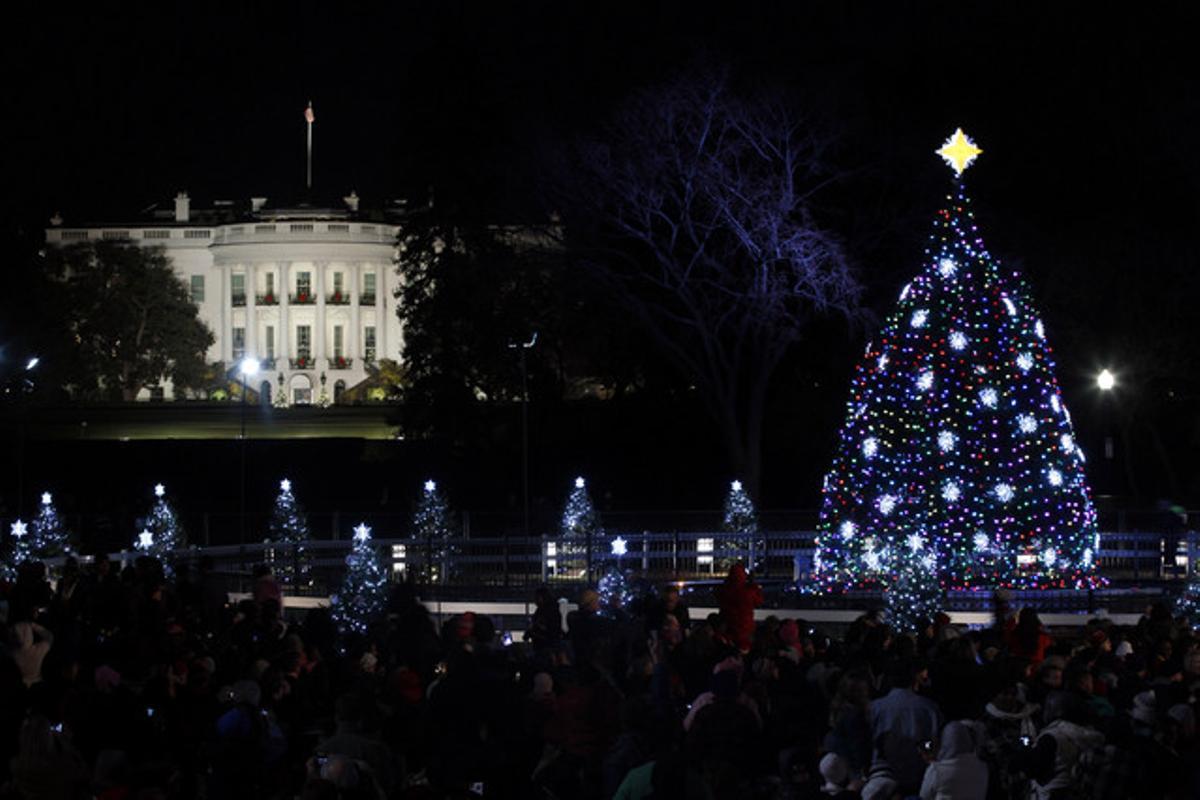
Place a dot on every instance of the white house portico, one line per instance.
(307, 291)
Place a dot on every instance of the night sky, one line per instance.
(1087, 113)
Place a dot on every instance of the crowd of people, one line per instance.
(123, 684)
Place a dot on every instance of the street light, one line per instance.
(248, 368)
(1105, 381)
(525, 347)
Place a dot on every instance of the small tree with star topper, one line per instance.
(741, 523)
(48, 533)
(913, 595)
(614, 585)
(18, 550)
(291, 560)
(161, 532)
(957, 430)
(431, 535)
(363, 594)
(579, 528)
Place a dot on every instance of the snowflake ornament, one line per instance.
(1024, 362)
(870, 447)
(958, 340)
(919, 318)
(925, 381)
(981, 542)
(1004, 492)
(988, 397)
(1026, 423)
(951, 492)
(947, 441)
(361, 532)
(847, 529)
(947, 268)
(145, 540)
(887, 504)
(1054, 477)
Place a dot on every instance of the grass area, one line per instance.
(146, 421)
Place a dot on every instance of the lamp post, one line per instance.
(248, 368)
(24, 387)
(523, 348)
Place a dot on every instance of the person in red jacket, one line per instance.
(738, 597)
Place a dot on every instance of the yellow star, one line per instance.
(959, 151)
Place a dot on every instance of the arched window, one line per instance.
(339, 388)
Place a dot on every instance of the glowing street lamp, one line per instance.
(1105, 381)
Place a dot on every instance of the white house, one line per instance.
(307, 291)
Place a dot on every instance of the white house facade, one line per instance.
(306, 291)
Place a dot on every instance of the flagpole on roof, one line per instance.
(308, 116)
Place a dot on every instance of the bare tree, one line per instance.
(702, 205)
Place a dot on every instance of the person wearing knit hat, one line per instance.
(836, 774)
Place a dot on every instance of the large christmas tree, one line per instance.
(957, 432)
(431, 535)
(161, 532)
(49, 533)
(291, 561)
(579, 528)
(363, 594)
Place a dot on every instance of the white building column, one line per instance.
(319, 332)
(282, 351)
(227, 315)
(251, 317)
(353, 349)
(381, 296)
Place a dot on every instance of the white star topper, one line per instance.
(619, 546)
(46, 499)
(579, 483)
(361, 532)
(736, 486)
(145, 540)
(18, 529)
(430, 487)
(159, 490)
(285, 485)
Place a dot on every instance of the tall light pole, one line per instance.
(24, 387)
(248, 368)
(523, 348)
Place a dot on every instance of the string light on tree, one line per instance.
(579, 527)
(363, 594)
(740, 523)
(291, 561)
(431, 535)
(167, 534)
(968, 433)
(48, 532)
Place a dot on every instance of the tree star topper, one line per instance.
(159, 490)
(362, 533)
(46, 499)
(959, 152)
(18, 529)
(430, 486)
(145, 540)
(285, 485)
(619, 546)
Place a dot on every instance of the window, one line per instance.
(197, 288)
(338, 282)
(301, 227)
(704, 547)
(156, 234)
(269, 342)
(303, 286)
(304, 341)
(369, 343)
(195, 234)
(338, 339)
(270, 278)
(237, 284)
(368, 289)
(239, 344)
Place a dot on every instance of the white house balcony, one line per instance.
(341, 362)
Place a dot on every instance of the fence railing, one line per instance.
(499, 566)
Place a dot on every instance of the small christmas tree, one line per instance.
(615, 592)
(18, 550)
(291, 561)
(431, 535)
(580, 525)
(49, 534)
(913, 596)
(741, 523)
(161, 533)
(363, 593)
(1187, 605)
